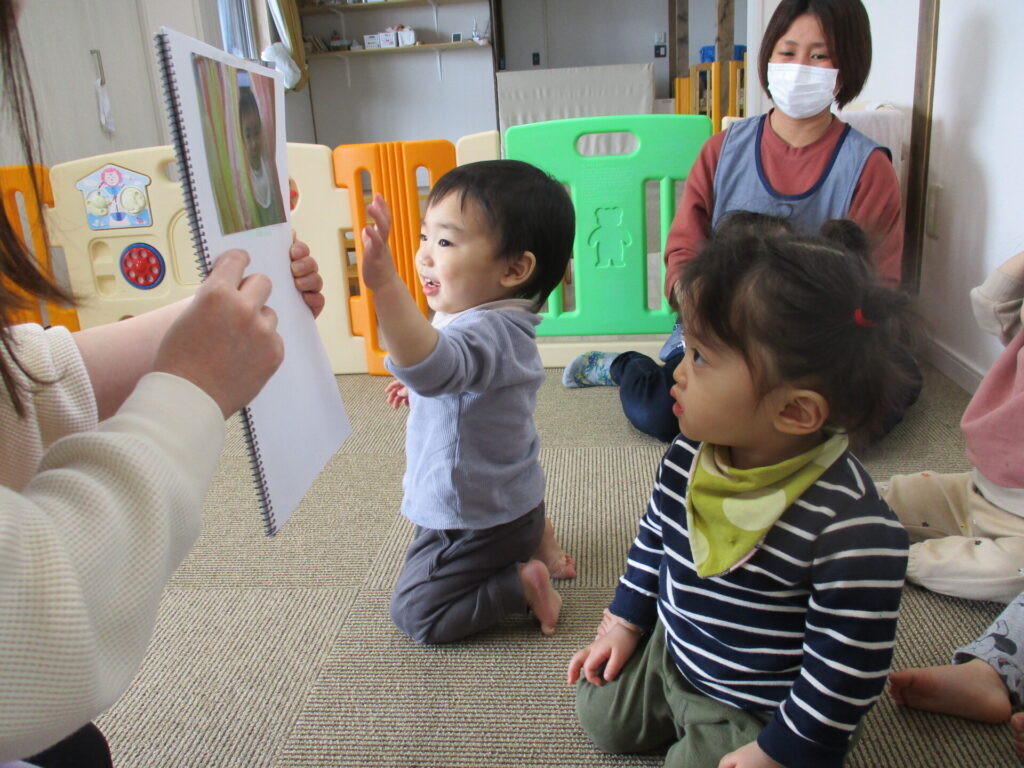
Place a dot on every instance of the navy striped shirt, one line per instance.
(805, 627)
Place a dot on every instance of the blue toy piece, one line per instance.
(608, 192)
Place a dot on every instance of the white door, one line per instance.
(58, 37)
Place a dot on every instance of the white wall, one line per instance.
(976, 158)
(582, 33)
(893, 52)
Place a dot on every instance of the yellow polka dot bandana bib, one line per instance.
(729, 511)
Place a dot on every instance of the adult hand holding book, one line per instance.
(225, 341)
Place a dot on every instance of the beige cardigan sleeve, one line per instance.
(88, 542)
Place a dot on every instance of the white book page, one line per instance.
(232, 119)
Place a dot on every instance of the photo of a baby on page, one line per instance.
(238, 118)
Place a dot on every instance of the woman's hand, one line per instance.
(306, 274)
(225, 341)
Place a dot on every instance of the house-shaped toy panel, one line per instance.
(116, 198)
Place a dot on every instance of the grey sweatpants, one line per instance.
(1001, 646)
(456, 583)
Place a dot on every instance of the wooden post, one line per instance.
(724, 46)
(679, 37)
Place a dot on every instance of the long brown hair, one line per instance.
(20, 275)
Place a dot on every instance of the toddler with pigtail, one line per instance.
(755, 621)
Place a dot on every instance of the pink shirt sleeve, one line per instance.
(877, 208)
(691, 226)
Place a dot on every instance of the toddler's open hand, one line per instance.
(378, 265)
(748, 756)
(616, 641)
(396, 393)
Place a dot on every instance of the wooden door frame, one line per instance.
(920, 144)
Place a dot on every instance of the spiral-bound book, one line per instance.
(227, 124)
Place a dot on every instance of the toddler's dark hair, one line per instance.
(807, 310)
(529, 211)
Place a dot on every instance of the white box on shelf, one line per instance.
(407, 36)
(388, 39)
(371, 41)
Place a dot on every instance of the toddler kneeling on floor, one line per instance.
(495, 241)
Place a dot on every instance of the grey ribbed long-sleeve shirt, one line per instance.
(471, 445)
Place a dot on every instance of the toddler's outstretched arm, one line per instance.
(411, 337)
(616, 641)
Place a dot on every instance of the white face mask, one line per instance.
(801, 91)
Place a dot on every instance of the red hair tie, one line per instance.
(859, 319)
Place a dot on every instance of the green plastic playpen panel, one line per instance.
(609, 194)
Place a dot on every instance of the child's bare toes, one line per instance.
(564, 567)
(1017, 729)
(542, 598)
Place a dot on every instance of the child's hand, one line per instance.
(615, 642)
(306, 274)
(378, 264)
(396, 393)
(748, 756)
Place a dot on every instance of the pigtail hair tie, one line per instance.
(859, 319)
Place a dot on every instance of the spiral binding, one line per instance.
(188, 185)
(256, 464)
(180, 142)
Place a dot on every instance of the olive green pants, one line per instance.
(650, 705)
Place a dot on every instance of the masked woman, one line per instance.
(798, 161)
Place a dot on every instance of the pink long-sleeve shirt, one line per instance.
(993, 423)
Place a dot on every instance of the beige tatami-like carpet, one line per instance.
(279, 652)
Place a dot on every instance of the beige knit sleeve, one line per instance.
(85, 551)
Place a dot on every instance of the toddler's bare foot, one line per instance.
(1017, 729)
(560, 564)
(973, 690)
(542, 598)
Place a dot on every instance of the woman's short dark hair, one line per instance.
(528, 210)
(806, 310)
(847, 32)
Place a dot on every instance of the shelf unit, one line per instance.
(340, 8)
(419, 47)
(380, 87)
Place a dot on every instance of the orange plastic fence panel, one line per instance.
(15, 180)
(392, 168)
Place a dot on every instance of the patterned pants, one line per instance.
(1001, 646)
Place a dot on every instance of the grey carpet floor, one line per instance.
(278, 653)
